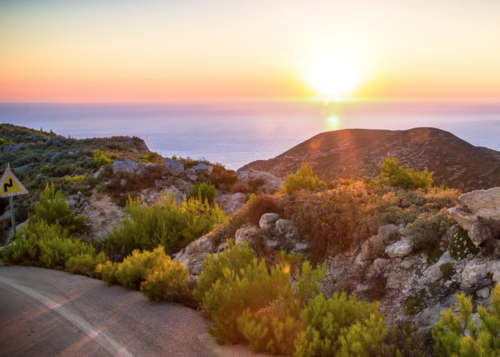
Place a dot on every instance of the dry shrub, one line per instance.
(261, 205)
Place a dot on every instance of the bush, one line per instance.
(447, 270)
(103, 158)
(461, 245)
(85, 264)
(76, 178)
(45, 245)
(416, 303)
(405, 178)
(223, 178)
(203, 191)
(152, 157)
(403, 341)
(249, 303)
(340, 326)
(163, 223)
(154, 273)
(457, 334)
(260, 205)
(53, 209)
(304, 179)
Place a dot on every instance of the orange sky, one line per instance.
(161, 51)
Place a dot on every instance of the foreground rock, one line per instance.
(231, 203)
(478, 213)
(263, 182)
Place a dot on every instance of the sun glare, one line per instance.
(333, 123)
(334, 77)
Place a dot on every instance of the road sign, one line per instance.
(10, 186)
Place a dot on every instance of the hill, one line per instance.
(357, 153)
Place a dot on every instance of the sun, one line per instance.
(334, 76)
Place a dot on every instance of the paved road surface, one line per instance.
(52, 313)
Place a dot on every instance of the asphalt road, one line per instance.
(52, 313)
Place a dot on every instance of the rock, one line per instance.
(481, 232)
(446, 258)
(24, 167)
(246, 234)
(173, 167)
(268, 219)
(99, 172)
(231, 203)
(483, 293)
(12, 148)
(474, 271)
(128, 166)
(191, 174)
(284, 235)
(172, 190)
(379, 267)
(431, 274)
(5, 218)
(390, 232)
(369, 247)
(263, 181)
(475, 207)
(72, 203)
(56, 141)
(410, 262)
(400, 249)
(123, 183)
(194, 254)
(202, 168)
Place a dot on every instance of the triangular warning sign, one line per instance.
(10, 185)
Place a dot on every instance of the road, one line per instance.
(52, 313)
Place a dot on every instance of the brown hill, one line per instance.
(357, 153)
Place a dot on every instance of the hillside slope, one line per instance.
(357, 153)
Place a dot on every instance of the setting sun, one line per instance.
(334, 76)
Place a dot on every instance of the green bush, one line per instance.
(247, 302)
(163, 223)
(44, 169)
(85, 264)
(416, 303)
(46, 245)
(152, 157)
(405, 178)
(447, 270)
(53, 209)
(203, 191)
(103, 158)
(461, 245)
(154, 273)
(457, 334)
(77, 178)
(304, 179)
(340, 326)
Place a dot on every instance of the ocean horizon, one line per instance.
(235, 134)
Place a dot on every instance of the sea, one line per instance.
(237, 133)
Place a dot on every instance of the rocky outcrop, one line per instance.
(173, 167)
(12, 148)
(264, 182)
(400, 249)
(194, 254)
(205, 169)
(231, 203)
(268, 219)
(128, 167)
(478, 213)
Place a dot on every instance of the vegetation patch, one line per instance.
(461, 245)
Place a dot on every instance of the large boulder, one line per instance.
(478, 269)
(127, 166)
(268, 219)
(194, 254)
(248, 233)
(474, 211)
(202, 168)
(231, 203)
(264, 182)
(174, 167)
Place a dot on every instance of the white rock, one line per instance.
(483, 293)
(400, 249)
(194, 254)
(231, 203)
(246, 233)
(268, 219)
(269, 183)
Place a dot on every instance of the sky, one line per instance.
(190, 50)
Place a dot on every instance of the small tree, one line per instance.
(405, 178)
(457, 334)
(53, 209)
(304, 179)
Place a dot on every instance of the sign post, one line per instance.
(10, 186)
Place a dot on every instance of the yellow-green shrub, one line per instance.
(405, 178)
(154, 273)
(203, 191)
(76, 178)
(103, 158)
(164, 222)
(304, 179)
(246, 301)
(340, 326)
(152, 157)
(457, 334)
(45, 245)
(85, 264)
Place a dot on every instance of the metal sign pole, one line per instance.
(12, 216)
